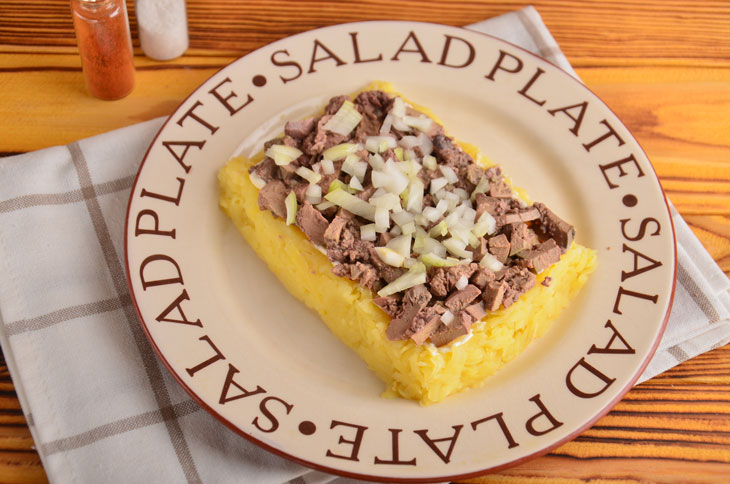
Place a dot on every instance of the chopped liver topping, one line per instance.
(459, 300)
(312, 223)
(402, 209)
(414, 300)
(271, 197)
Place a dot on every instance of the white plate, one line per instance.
(318, 403)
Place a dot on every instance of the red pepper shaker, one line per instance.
(105, 45)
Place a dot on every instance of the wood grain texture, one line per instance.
(19, 462)
(662, 66)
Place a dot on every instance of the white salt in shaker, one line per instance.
(163, 28)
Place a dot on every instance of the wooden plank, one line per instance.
(21, 468)
(19, 462)
(714, 233)
(620, 31)
(552, 469)
(672, 429)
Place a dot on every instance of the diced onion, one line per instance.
(449, 173)
(399, 108)
(426, 245)
(408, 228)
(416, 275)
(409, 168)
(414, 201)
(395, 231)
(387, 124)
(257, 181)
(402, 218)
(418, 241)
(313, 194)
(382, 219)
(486, 225)
(461, 193)
(328, 167)
(290, 202)
(340, 151)
(434, 260)
(345, 119)
(350, 164)
(336, 185)
(410, 262)
(482, 187)
(379, 144)
(447, 318)
(391, 178)
(425, 144)
(421, 123)
(490, 262)
(430, 162)
(378, 193)
(283, 154)
(367, 233)
(390, 257)
(361, 169)
(459, 210)
(376, 161)
(355, 183)
(468, 215)
(388, 201)
(324, 206)
(451, 197)
(460, 233)
(461, 283)
(351, 203)
(431, 214)
(308, 174)
(399, 153)
(457, 247)
(401, 244)
(439, 230)
(400, 125)
(452, 219)
(379, 178)
(437, 184)
(422, 142)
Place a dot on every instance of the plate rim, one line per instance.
(349, 474)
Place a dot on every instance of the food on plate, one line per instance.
(415, 250)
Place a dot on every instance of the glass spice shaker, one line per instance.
(105, 45)
(163, 28)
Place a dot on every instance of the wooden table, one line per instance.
(662, 66)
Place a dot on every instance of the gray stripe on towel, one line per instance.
(63, 198)
(72, 312)
(697, 295)
(119, 427)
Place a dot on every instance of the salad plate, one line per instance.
(264, 365)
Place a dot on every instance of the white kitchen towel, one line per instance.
(99, 404)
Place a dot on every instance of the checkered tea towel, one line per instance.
(99, 404)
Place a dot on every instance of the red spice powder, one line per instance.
(105, 45)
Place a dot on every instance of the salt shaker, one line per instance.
(163, 28)
(105, 45)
